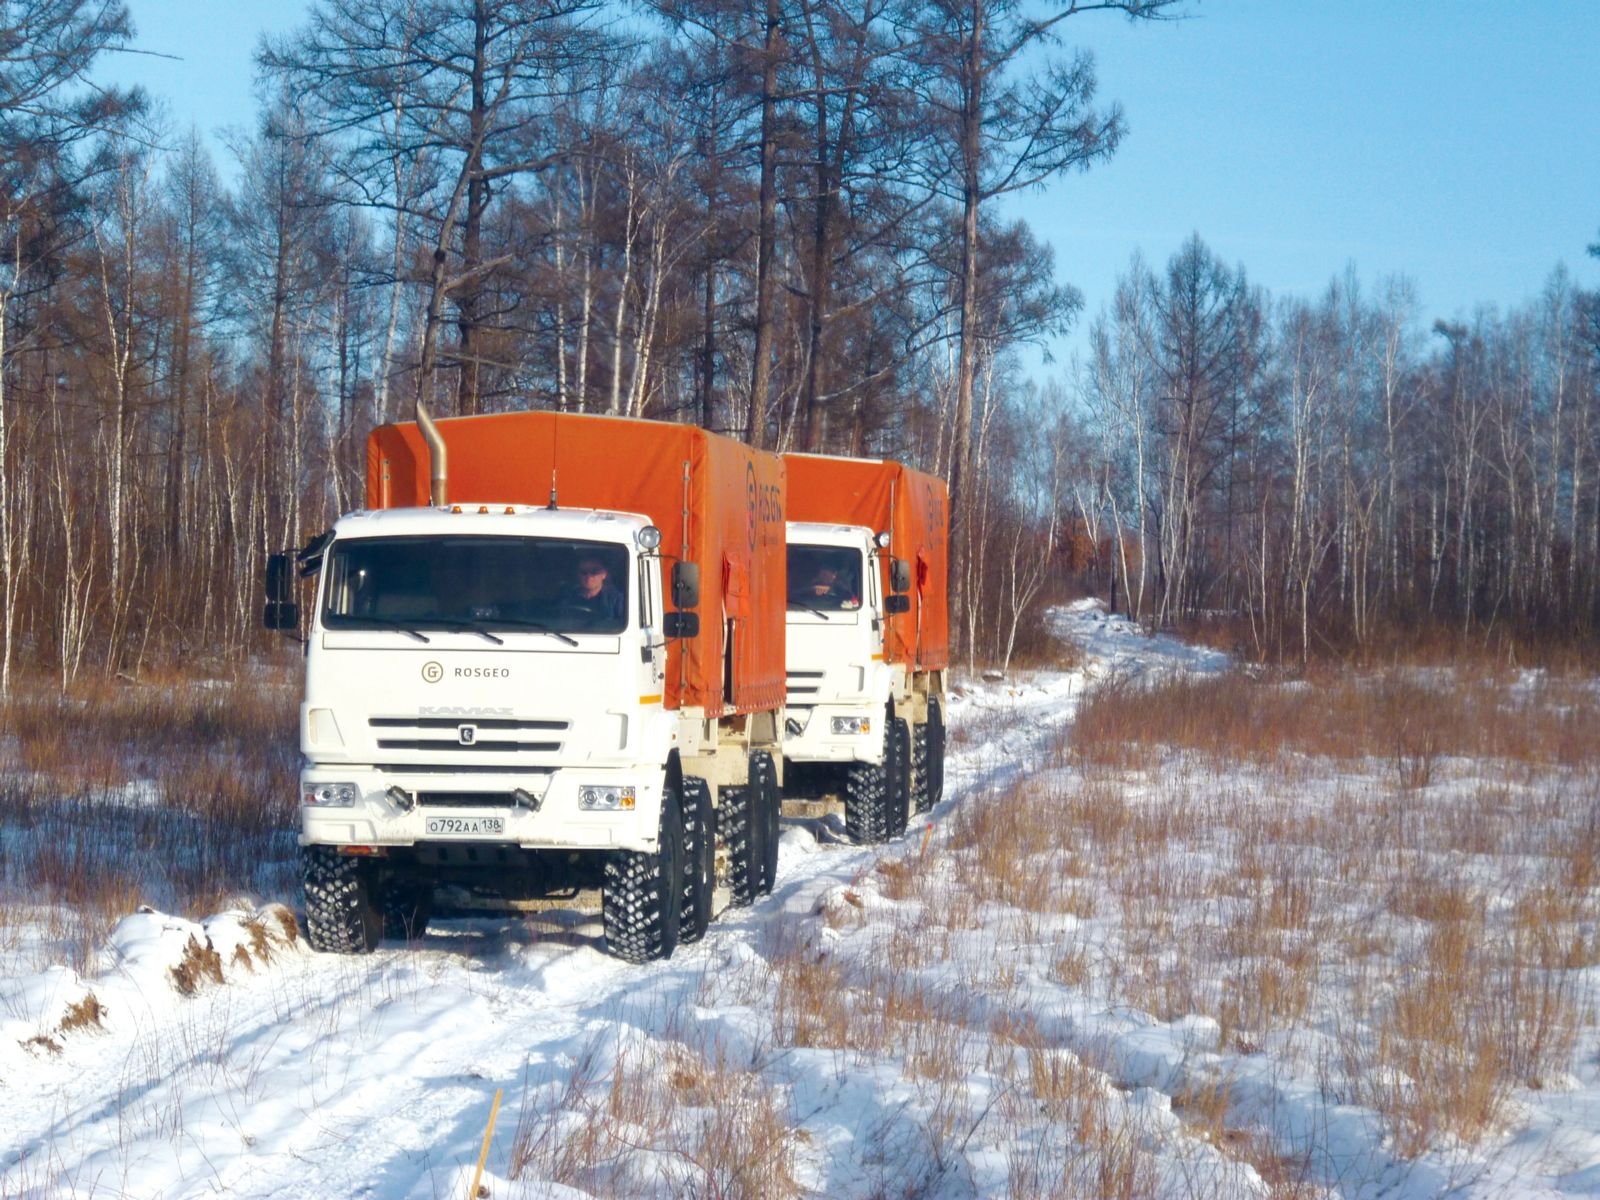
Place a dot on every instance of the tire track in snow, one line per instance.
(373, 1076)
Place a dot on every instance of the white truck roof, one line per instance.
(493, 520)
(826, 533)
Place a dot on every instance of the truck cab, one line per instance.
(843, 733)
(837, 678)
(867, 640)
(460, 685)
(483, 713)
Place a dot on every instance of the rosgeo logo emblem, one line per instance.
(432, 672)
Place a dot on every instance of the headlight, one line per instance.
(331, 795)
(596, 798)
(851, 724)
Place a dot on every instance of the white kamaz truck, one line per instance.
(566, 677)
(867, 639)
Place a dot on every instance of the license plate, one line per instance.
(465, 826)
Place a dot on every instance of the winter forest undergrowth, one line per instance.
(786, 224)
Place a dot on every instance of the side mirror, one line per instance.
(899, 575)
(896, 604)
(281, 612)
(685, 585)
(680, 624)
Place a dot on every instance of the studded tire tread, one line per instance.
(699, 859)
(921, 784)
(764, 783)
(866, 807)
(642, 894)
(736, 821)
(897, 776)
(342, 914)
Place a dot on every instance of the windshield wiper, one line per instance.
(456, 623)
(802, 604)
(536, 626)
(380, 623)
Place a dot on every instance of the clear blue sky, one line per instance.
(1454, 141)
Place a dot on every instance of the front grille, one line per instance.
(805, 683)
(466, 799)
(450, 768)
(457, 722)
(411, 733)
(489, 747)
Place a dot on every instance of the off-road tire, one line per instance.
(897, 775)
(407, 908)
(921, 785)
(936, 741)
(641, 900)
(764, 783)
(342, 913)
(741, 829)
(699, 859)
(866, 803)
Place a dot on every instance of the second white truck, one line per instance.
(867, 641)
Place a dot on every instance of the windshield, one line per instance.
(824, 578)
(478, 582)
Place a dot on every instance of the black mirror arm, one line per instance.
(310, 555)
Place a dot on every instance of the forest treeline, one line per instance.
(780, 220)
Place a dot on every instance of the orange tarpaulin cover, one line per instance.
(915, 508)
(717, 503)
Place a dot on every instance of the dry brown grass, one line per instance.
(87, 1013)
(1438, 903)
(1420, 642)
(1395, 716)
(200, 964)
(1101, 1154)
(626, 1116)
(179, 795)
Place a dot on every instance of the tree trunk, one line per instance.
(766, 236)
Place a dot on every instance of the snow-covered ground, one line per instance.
(910, 1020)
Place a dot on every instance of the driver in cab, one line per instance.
(595, 594)
(827, 589)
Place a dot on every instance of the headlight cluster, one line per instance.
(331, 795)
(851, 724)
(597, 798)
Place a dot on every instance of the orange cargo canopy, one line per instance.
(717, 503)
(914, 508)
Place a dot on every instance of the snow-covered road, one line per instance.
(307, 1075)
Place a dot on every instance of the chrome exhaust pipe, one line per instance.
(437, 470)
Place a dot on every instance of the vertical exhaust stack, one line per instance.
(438, 471)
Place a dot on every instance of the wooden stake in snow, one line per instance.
(483, 1155)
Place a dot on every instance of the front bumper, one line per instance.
(558, 823)
(815, 740)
